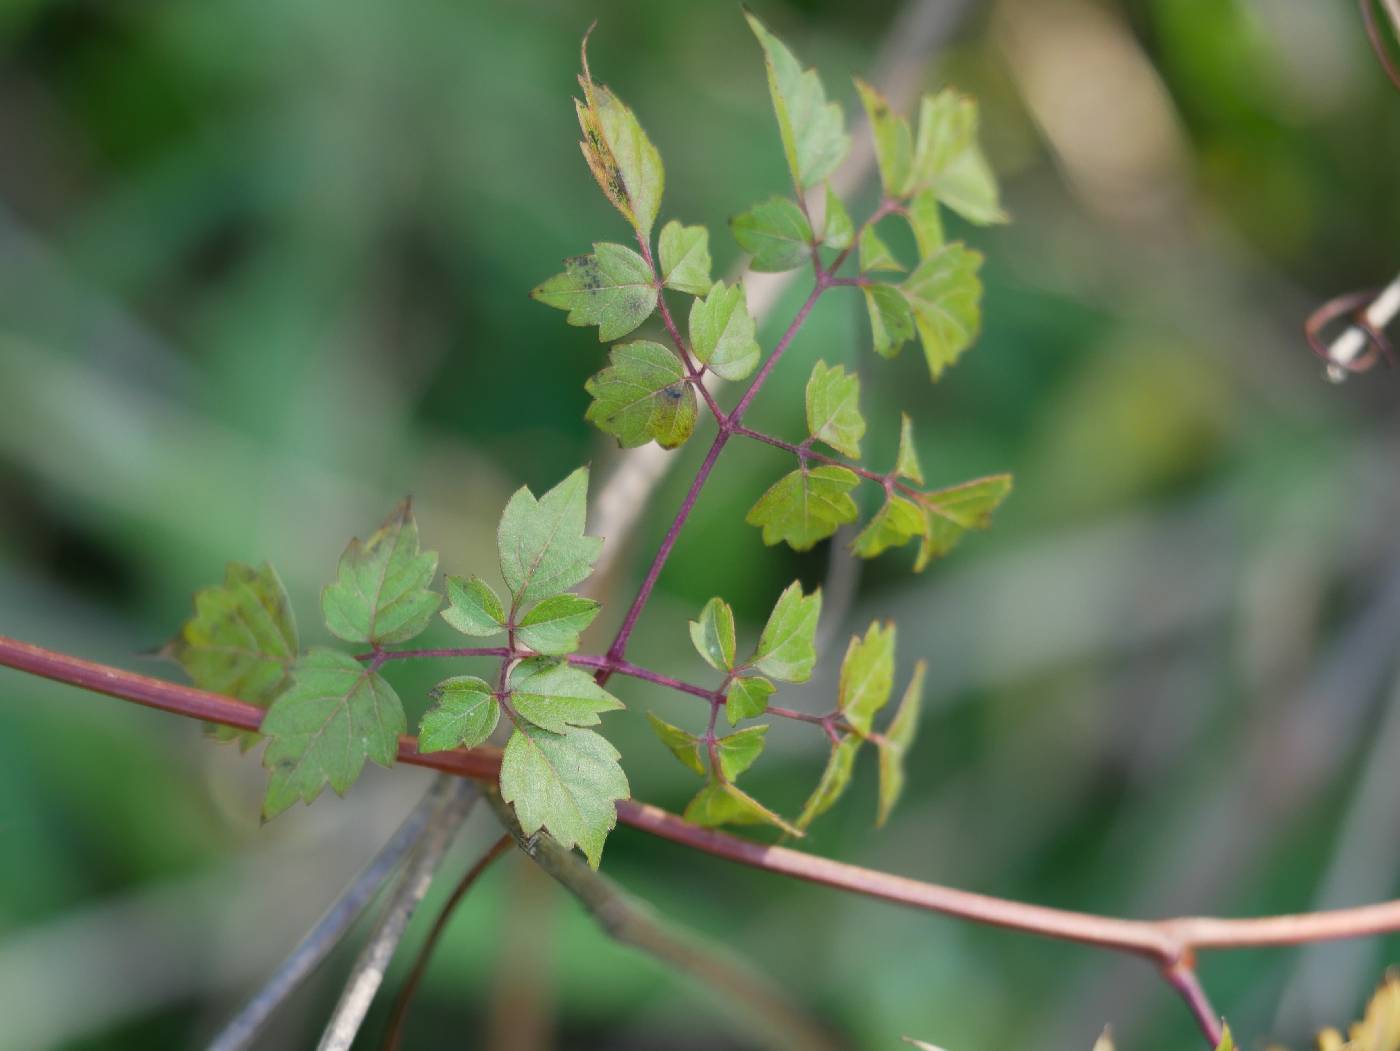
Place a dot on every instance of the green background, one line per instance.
(263, 271)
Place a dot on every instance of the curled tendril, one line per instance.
(1353, 306)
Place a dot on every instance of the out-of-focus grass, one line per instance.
(263, 270)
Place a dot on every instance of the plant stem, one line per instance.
(1181, 976)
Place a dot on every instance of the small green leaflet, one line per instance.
(787, 647)
(867, 674)
(891, 320)
(721, 332)
(643, 396)
(1227, 1041)
(948, 160)
(685, 258)
(837, 228)
(955, 510)
(713, 634)
(334, 715)
(543, 548)
(943, 293)
(557, 697)
(875, 254)
(805, 506)
(553, 625)
(833, 408)
(813, 130)
(894, 525)
(619, 154)
(906, 464)
(613, 288)
(381, 592)
(719, 803)
(894, 142)
(684, 746)
(836, 777)
(740, 750)
(473, 608)
(567, 784)
(465, 714)
(896, 742)
(747, 698)
(926, 223)
(775, 233)
(241, 641)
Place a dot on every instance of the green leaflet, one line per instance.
(557, 697)
(241, 641)
(719, 803)
(894, 142)
(543, 548)
(334, 715)
(833, 408)
(684, 746)
(896, 742)
(955, 510)
(747, 698)
(1227, 1041)
(553, 625)
(722, 332)
(906, 464)
(948, 161)
(381, 593)
(805, 506)
(685, 258)
(891, 320)
(643, 396)
(867, 673)
(926, 222)
(944, 292)
(787, 647)
(775, 233)
(619, 154)
(613, 288)
(835, 779)
(813, 130)
(837, 228)
(875, 254)
(896, 523)
(740, 750)
(473, 608)
(713, 634)
(567, 784)
(465, 714)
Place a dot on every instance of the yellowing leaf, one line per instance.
(896, 741)
(721, 332)
(719, 803)
(955, 510)
(465, 714)
(613, 288)
(867, 673)
(813, 130)
(906, 464)
(944, 294)
(713, 634)
(381, 593)
(891, 320)
(894, 142)
(805, 506)
(926, 222)
(786, 649)
(833, 408)
(684, 746)
(948, 160)
(619, 154)
(643, 396)
(835, 779)
(685, 258)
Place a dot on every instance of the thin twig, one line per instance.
(629, 921)
(456, 801)
(394, 1029)
(327, 933)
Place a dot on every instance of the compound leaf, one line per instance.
(380, 594)
(684, 746)
(867, 673)
(553, 625)
(567, 784)
(896, 742)
(556, 697)
(813, 130)
(805, 506)
(787, 648)
(613, 288)
(643, 396)
(944, 293)
(833, 408)
(473, 608)
(775, 233)
(747, 698)
(465, 714)
(619, 154)
(685, 258)
(542, 544)
(722, 332)
(836, 777)
(713, 634)
(335, 714)
(955, 510)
